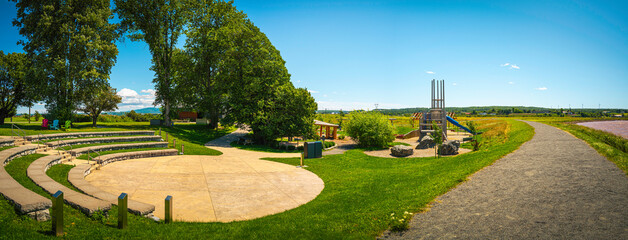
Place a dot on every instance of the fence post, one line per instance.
(122, 210)
(57, 213)
(168, 215)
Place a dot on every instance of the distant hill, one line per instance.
(151, 110)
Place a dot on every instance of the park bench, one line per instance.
(85, 203)
(24, 200)
(79, 151)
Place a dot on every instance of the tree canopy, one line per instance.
(16, 86)
(72, 48)
(159, 23)
(104, 99)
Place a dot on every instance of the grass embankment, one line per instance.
(360, 194)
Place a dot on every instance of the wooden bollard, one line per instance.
(122, 210)
(159, 131)
(174, 143)
(168, 215)
(166, 137)
(182, 148)
(57, 213)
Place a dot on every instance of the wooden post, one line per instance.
(159, 131)
(182, 149)
(122, 210)
(167, 138)
(174, 143)
(57, 213)
(169, 214)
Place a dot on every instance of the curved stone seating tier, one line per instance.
(103, 140)
(7, 142)
(86, 204)
(87, 134)
(76, 176)
(79, 151)
(24, 200)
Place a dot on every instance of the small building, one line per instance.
(330, 129)
(188, 115)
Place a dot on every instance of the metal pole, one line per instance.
(122, 210)
(57, 213)
(168, 215)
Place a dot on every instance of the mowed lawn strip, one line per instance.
(360, 194)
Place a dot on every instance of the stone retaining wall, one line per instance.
(79, 151)
(24, 200)
(87, 134)
(7, 142)
(86, 204)
(109, 158)
(103, 140)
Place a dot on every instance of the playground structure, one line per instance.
(437, 113)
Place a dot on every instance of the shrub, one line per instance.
(300, 148)
(329, 144)
(370, 129)
(291, 147)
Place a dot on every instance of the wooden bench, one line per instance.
(85, 203)
(79, 151)
(24, 200)
(87, 134)
(56, 144)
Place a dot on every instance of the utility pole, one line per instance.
(376, 106)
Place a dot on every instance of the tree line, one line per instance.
(227, 67)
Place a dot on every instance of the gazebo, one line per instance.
(328, 127)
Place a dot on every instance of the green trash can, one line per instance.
(313, 149)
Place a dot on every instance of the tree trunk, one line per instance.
(167, 113)
(2, 116)
(94, 120)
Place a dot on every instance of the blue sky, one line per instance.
(355, 54)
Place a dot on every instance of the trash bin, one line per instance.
(313, 149)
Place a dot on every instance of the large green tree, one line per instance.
(211, 30)
(16, 85)
(71, 46)
(104, 99)
(159, 23)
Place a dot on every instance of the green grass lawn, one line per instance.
(262, 148)
(360, 194)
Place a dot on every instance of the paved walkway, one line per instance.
(554, 187)
(236, 185)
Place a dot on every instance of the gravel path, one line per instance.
(554, 187)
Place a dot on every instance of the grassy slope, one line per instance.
(84, 156)
(360, 194)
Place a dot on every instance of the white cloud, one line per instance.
(510, 65)
(511, 83)
(541, 88)
(454, 84)
(429, 72)
(312, 91)
(505, 64)
(514, 66)
(132, 100)
(324, 95)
